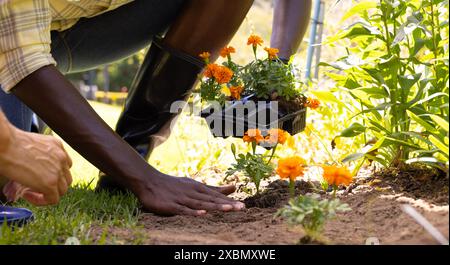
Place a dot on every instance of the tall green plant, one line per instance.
(396, 71)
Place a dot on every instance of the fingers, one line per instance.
(35, 198)
(207, 206)
(68, 177)
(52, 196)
(180, 209)
(226, 190)
(208, 198)
(68, 159)
(215, 194)
(62, 185)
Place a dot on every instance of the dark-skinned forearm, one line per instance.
(290, 22)
(58, 103)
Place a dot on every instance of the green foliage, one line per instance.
(255, 167)
(311, 212)
(263, 77)
(396, 71)
(210, 90)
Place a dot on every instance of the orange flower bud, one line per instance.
(253, 135)
(236, 92)
(272, 52)
(225, 52)
(254, 40)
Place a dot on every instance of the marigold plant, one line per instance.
(311, 212)
(335, 176)
(272, 52)
(257, 167)
(227, 51)
(255, 41)
(236, 91)
(291, 168)
(270, 76)
(275, 136)
(215, 78)
(253, 135)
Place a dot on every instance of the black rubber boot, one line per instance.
(165, 76)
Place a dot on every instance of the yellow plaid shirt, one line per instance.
(25, 27)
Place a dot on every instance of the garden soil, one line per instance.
(376, 213)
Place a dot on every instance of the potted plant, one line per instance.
(263, 94)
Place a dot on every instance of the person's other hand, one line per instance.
(37, 162)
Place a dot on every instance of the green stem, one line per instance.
(334, 191)
(273, 153)
(433, 31)
(364, 122)
(392, 85)
(254, 147)
(292, 187)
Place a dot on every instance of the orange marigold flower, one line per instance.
(253, 135)
(210, 70)
(254, 40)
(312, 103)
(291, 167)
(225, 52)
(277, 136)
(204, 55)
(223, 74)
(272, 52)
(236, 92)
(336, 176)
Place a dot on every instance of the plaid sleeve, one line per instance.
(24, 39)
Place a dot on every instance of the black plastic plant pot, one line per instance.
(236, 118)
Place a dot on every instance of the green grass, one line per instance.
(76, 215)
(81, 213)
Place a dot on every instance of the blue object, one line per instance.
(15, 216)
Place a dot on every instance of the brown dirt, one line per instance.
(376, 212)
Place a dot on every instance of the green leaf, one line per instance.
(217, 153)
(391, 140)
(422, 122)
(354, 130)
(361, 29)
(233, 149)
(380, 143)
(358, 9)
(407, 81)
(375, 92)
(440, 145)
(434, 95)
(431, 161)
(327, 96)
(353, 157)
(440, 121)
